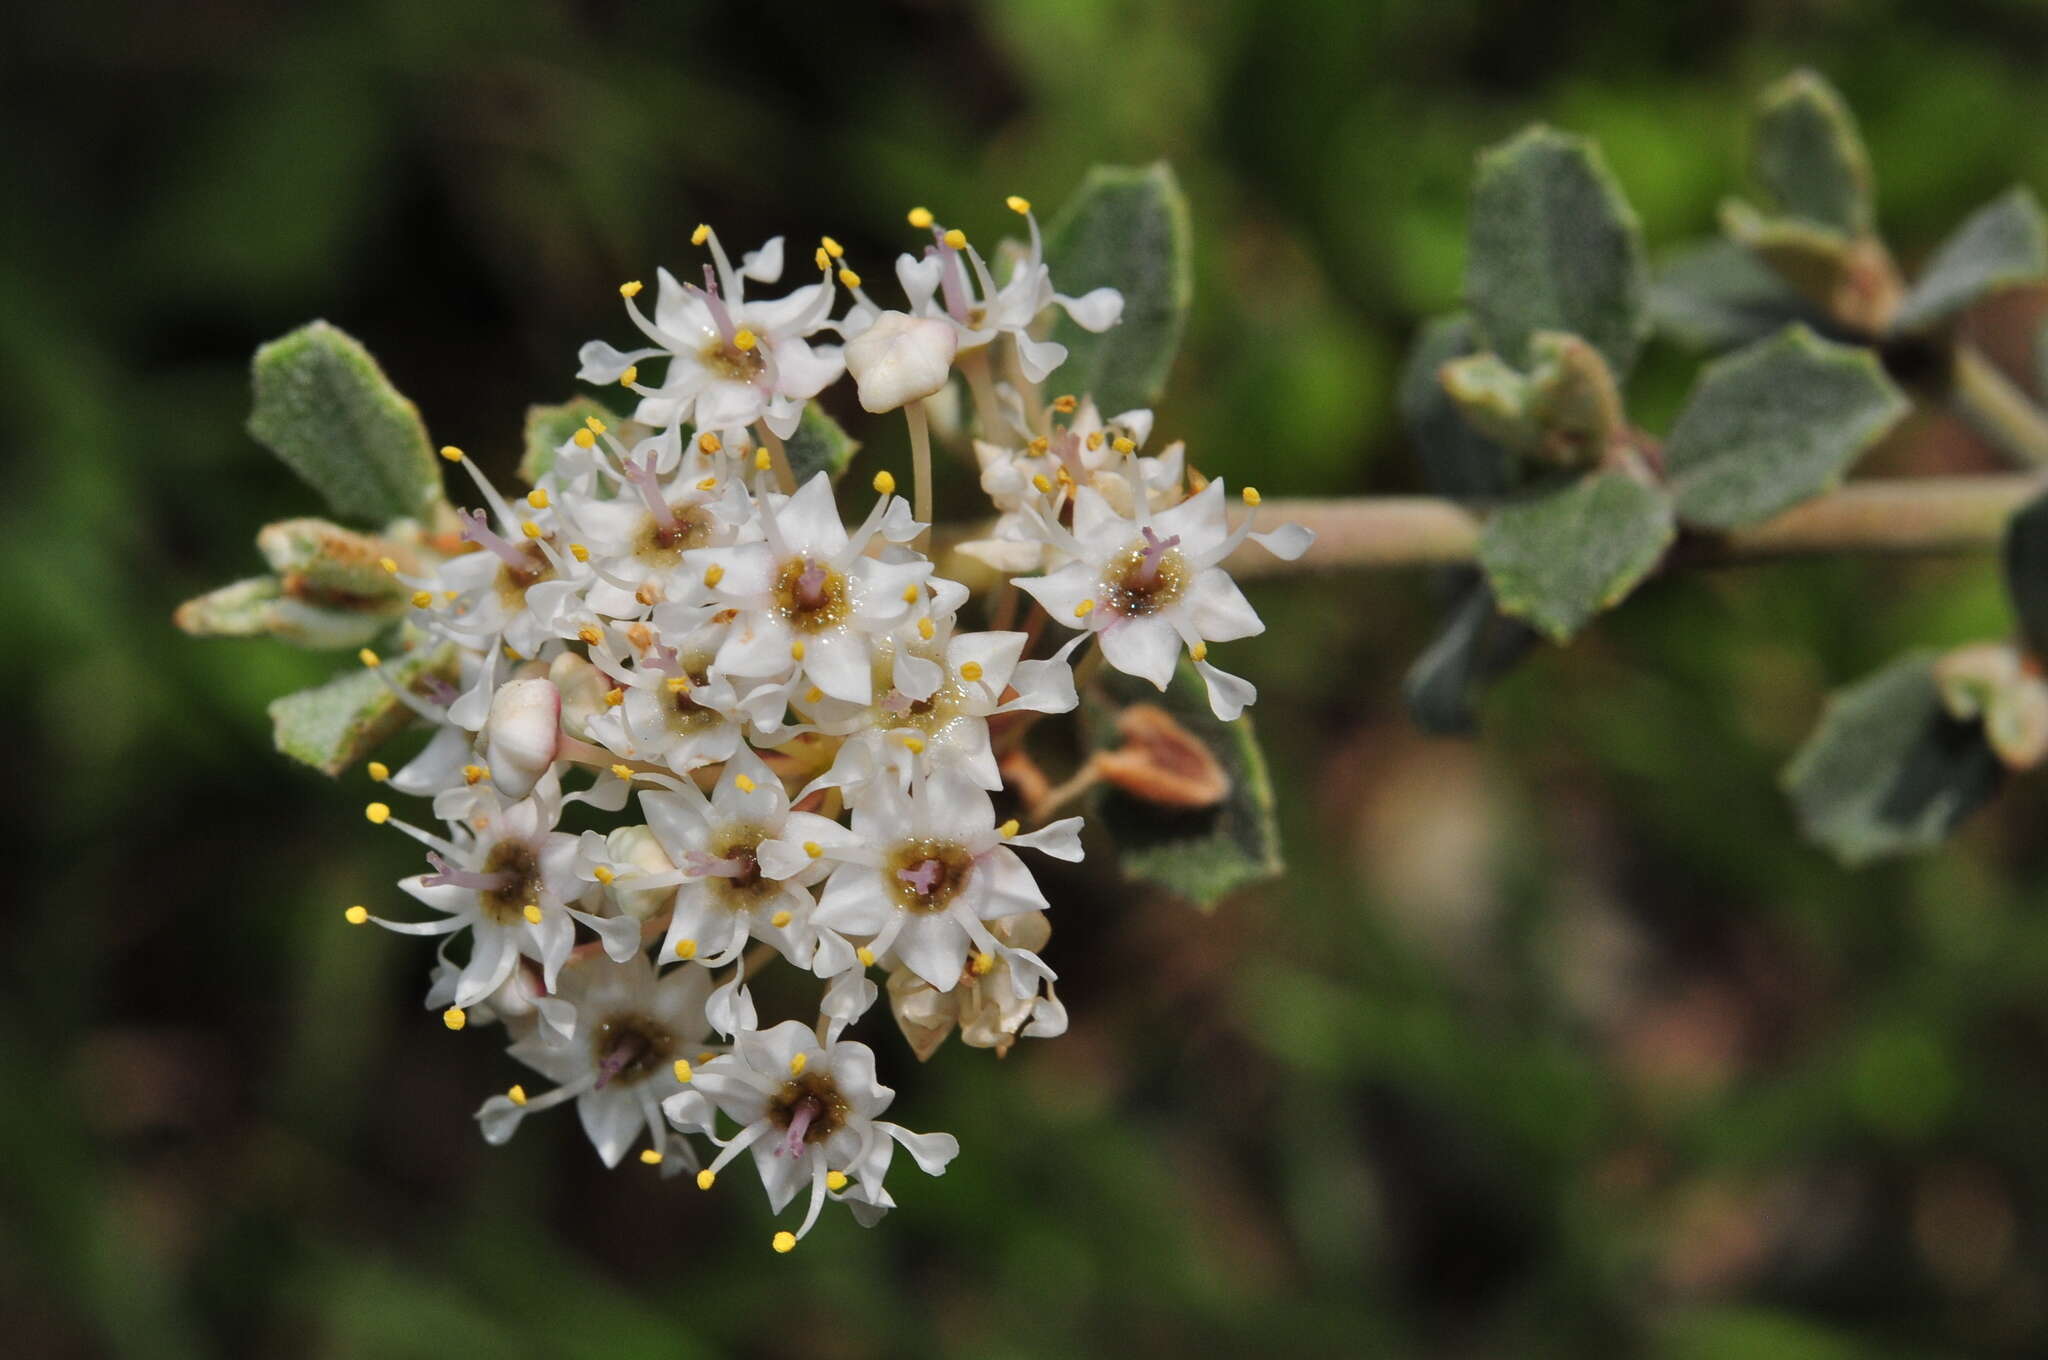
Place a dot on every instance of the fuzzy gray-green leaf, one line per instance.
(328, 412)
(819, 445)
(550, 427)
(1558, 559)
(1456, 459)
(1716, 295)
(266, 606)
(1200, 854)
(1555, 247)
(1775, 424)
(1125, 228)
(2003, 244)
(334, 725)
(2026, 572)
(1807, 157)
(1888, 771)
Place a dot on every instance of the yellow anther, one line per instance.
(1039, 445)
(743, 339)
(885, 483)
(1123, 444)
(920, 217)
(683, 1073)
(389, 564)
(451, 596)
(378, 813)
(579, 552)
(1017, 205)
(780, 919)
(980, 964)
(1043, 483)
(378, 771)
(650, 1156)
(866, 956)
(623, 771)
(706, 1179)
(678, 684)
(925, 628)
(593, 424)
(713, 574)
(704, 1056)
(813, 849)
(831, 247)
(849, 278)
(813, 694)
(708, 484)
(796, 650)
(1066, 403)
(822, 260)
(762, 459)
(784, 1242)
(475, 774)
(701, 234)
(709, 442)
(835, 1181)
(914, 745)
(971, 671)
(1250, 494)
(1084, 609)
(538, 498)
(1198, 650)
(355, 916)
(512, 653)
(910, 594)
(743, 784)
(956, 238)
(591, 634)
(602, 874)
(531, 911)
(454, 1017)
(630, 376)
(798, 1063)
(630, 289)
(423, 599)
(1094, 440)
(583, 439)
(517, 1095)
(451, 453)
(532, 530)
(1007, 829)
(686, 949)
(369, 658)
(614, 696)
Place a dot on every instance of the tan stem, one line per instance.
(1061, 794)
(921, 472)
(1997, 408)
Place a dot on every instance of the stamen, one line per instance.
(477, 529)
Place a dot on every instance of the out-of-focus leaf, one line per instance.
(819, 445)
(332, 726)
(1457, 460)
(1564, 410)
(1888, 771)
(1748, 1333)
(1717, 295)
(2026, 572)
(322, 561)
(324, 407)
(1807, 157)
(1775, 424)
(1816, 261)
(1561, 557)
(264, 606)
(1200, 854)
(549, 427)
(1476, 644)
(2003, 244)
(240, 609)
(1125, 228)
(1554, 247)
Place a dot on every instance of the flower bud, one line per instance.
(635, 847)
(522, 733)
(900, 359)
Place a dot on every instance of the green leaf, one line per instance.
(2003, 244)
(1457, 460)
(1201, 854)
(1775, 424)
(1564, 410)
(1475, 645)
(1558, 559)
(324, 407)
(1125, 228)
(1555, 247)
(549, 427)
(264, 606)
(332, 726)
(1888, 771)
(1807, 157)
(819, 445)
(1716, 295)
(2026, 572)
(1816, 261)
(328, 564)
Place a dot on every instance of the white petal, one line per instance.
(763, 265)
(1229, 695)
(1060, 839)
(1096, 310)
(611, 1119)
(1144, 646)
(931, 1151)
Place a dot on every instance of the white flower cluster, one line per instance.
(665, 619)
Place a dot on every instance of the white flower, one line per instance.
(808, 1112)
(998, 998)
(928, 868)
(899, 359)
(637, 538)
(1147, 586)
(634, 1038)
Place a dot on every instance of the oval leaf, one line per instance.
(1559, 559)
(334, 725)
(1807, 157)
(1555, 247)
(2002, 245)
(1475, 645)
(1125, 228)
(1775, 424)
(1888, 771)
(1717, 295)
(328, 412)
(819, 445)
(1457, 460)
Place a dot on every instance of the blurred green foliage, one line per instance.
(1558, 1042)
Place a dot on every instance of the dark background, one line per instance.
(1554, 1044)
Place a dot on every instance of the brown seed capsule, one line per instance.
(1162, 762)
